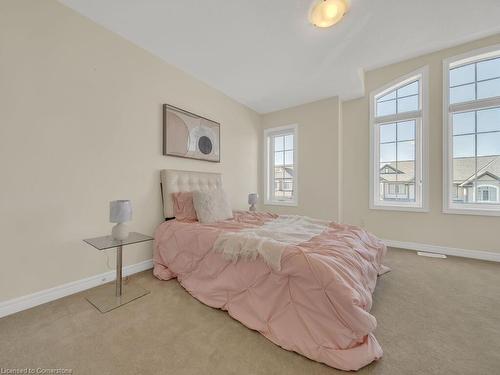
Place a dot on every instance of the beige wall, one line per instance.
(81, 125)
(435, 228)
(318, 149)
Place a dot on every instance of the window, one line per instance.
(398, 173)
(487, 194)
(472, 133)
(281, 165)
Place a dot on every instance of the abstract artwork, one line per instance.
(190, 136)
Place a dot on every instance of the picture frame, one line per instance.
(191, 136)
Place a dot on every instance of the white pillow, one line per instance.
(212, 206)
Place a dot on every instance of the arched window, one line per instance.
(398, 135)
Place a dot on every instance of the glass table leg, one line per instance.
(118, 281)
(102, 297)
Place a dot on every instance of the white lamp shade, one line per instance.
(253, 198)
(120, 211)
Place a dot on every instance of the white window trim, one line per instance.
(422, 205)
(267, 172)
(449, 207)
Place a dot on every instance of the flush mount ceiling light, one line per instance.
(326, 13)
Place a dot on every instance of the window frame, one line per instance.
(269, 133)
(489, 186)
(475, 56)
(421, 203)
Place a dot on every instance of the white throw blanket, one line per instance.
(270, 239)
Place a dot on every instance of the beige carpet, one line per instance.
(434, 316)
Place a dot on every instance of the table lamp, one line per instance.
(252, 200)
(120, 212)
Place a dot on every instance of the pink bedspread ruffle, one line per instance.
(318, 305)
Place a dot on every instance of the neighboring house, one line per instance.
(283, 181)
(397, 180)
(486, 181)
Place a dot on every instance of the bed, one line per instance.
(316, 303)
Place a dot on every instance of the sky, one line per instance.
(475, 133)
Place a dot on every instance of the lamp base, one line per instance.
(253, 208)
(120, 232)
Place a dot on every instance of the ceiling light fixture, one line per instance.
(326, 13)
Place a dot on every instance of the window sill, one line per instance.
(477, 211)
(400, 208)
(280, 203)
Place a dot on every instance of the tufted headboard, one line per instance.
(173, 181)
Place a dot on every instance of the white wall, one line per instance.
(81, 125)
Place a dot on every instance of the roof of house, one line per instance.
(283, 171)
(403, 171)
(464, 169)
(488, 167)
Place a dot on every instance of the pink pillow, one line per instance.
(183, 206)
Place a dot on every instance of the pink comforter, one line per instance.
(317, 305)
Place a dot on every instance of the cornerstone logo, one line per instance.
(38, 370)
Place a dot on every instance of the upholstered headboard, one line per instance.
(173, 181)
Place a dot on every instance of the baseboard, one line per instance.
(473, 254)
(31, 300)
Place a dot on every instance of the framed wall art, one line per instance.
(188, 135)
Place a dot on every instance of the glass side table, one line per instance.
(108, 297)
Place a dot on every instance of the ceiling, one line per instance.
(265, 54)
